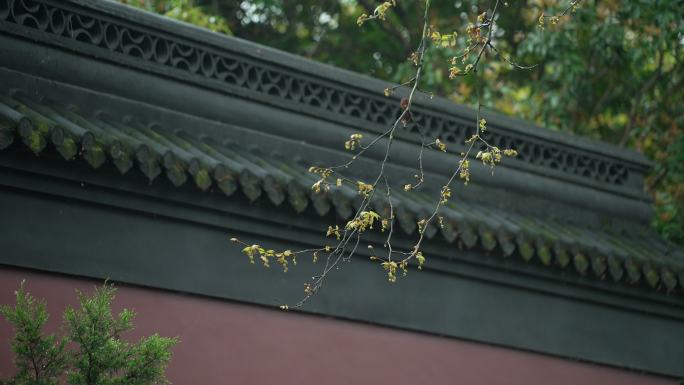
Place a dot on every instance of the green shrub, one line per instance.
(96, 355)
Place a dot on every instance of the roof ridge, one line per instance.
(134, 38)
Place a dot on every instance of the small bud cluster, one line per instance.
(353, 142)
(363, 221)
(440, 145)
(456, 71)
(492, 155)
(553, 20)
(334, 231)
(380, 12)
(265, 255)
(392, 267)
(445, 195)
(385, 222)
(421, 225)
(474, 34)
(464, 174)
(315, 254)
(282, 258)
(421, 260)
(445, 41)
(321, 185)
(414, 58)
(364, 188)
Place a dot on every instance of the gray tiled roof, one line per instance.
(611, 254)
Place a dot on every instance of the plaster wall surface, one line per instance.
(227, 342)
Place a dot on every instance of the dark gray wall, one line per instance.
(135, 233)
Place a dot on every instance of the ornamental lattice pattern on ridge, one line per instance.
(286, 87)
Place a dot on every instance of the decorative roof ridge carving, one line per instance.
(116, 32)
(360, 80)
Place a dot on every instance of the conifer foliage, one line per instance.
(91, 352)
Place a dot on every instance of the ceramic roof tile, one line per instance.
(625, 256)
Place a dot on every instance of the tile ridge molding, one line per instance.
(205, 43)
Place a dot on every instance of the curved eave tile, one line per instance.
(126, 142)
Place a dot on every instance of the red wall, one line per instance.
(230, 343)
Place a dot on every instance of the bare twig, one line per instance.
(337, 254)
(349, 237)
